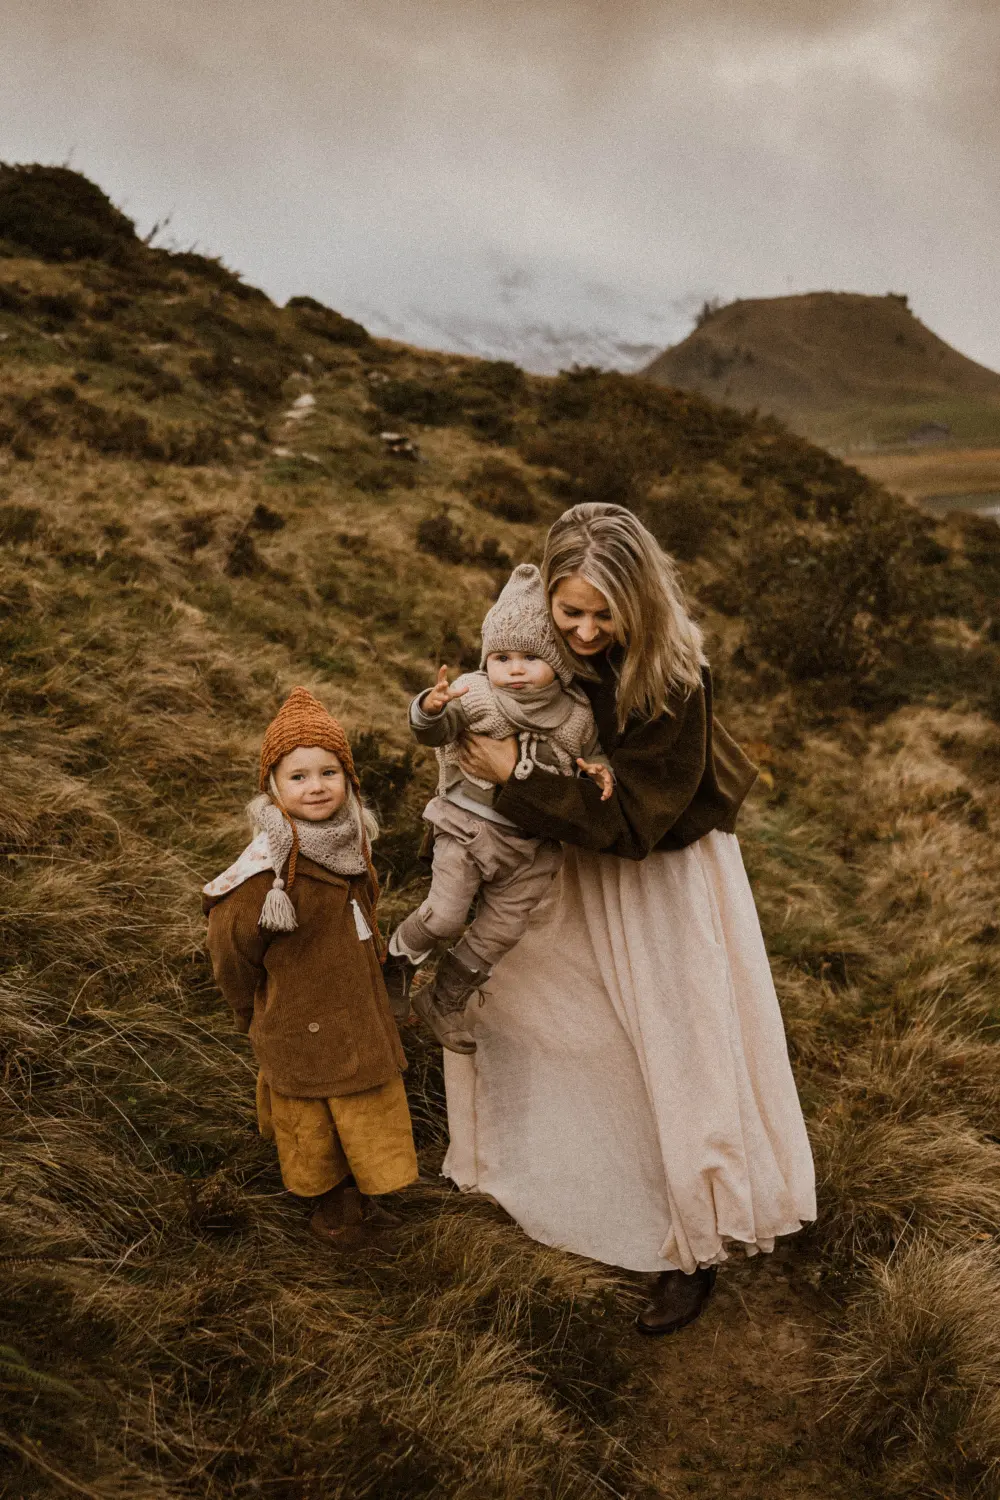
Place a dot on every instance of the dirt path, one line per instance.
(740, 1407)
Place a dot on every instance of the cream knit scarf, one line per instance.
(335, 844)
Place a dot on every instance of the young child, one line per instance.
(523, 688)
(292, 936)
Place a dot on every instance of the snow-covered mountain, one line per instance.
(541, 347)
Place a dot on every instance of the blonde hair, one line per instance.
(609, 548)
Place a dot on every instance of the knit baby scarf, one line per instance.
(540, 708)
(335, 844)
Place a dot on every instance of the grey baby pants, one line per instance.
(474, 856)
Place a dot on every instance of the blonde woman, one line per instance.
(630, 1098)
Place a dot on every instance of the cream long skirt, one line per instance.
(631, 1098)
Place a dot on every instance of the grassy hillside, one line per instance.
(843, 369)
(196, 513)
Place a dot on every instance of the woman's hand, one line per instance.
(490, 760)
(437, 698)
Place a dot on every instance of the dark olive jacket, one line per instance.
(313, 999)
(677, 777)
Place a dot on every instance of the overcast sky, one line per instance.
(484, 171)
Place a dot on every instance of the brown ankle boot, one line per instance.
(442, 1006)
(676, 1301)
(337, 1217)
(345, 1218)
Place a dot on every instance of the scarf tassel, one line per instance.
(278, 913)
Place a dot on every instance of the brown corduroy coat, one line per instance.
(313, 1000)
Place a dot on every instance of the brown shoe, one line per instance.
(338, 1218)
(398, 971)
(676, 1301)
(345, 1218)
(442, 1006)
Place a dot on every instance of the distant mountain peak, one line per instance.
(823, 360)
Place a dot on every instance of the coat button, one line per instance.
(313, 1026)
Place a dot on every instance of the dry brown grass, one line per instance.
(913, 1374)
(153, 614)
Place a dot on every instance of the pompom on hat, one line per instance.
(303, 722)
(520, 621)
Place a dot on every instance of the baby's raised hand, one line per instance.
(601, 774)
(440, 695)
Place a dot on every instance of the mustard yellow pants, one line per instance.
(320, 1141)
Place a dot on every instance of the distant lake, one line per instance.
(984, 504)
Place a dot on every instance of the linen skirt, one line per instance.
(631, 1098)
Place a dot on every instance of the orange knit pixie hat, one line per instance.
(303, 721)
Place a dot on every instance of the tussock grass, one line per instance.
(914, 1373)
(877, 1178)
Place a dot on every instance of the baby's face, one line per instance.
(311, 783)
(518, 669)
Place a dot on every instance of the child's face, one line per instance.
(518, 669)
(311, 783)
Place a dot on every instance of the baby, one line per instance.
(523, 688)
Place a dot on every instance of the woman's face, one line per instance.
(582, 616)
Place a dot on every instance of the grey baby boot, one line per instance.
(442, 1005)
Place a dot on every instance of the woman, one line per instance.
(630, 1098)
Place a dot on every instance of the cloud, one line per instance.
(545, 162)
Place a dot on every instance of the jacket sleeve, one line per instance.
(236, 946)
(657, 766)
(437, 729)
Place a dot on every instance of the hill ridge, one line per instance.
(834, 365)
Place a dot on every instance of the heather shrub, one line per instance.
(490, 554)
(433, 403)
(12, 298)
(57, 308)
(501, 489)
(814, 483)
(263, 518)
(501, 377)
(823, 599)
(312, 317)
(683, 518)
(490, 419)
(259, 379)
(208, 268)
(60, 215)
(243, 559)
(442, 537)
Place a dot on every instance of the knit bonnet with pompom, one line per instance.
(520, 621)
(303, 722)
